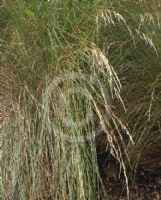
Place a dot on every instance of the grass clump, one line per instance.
(49, 147)
(76, 69)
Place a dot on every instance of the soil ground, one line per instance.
(145, 186)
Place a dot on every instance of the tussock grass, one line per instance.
(76, 69)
